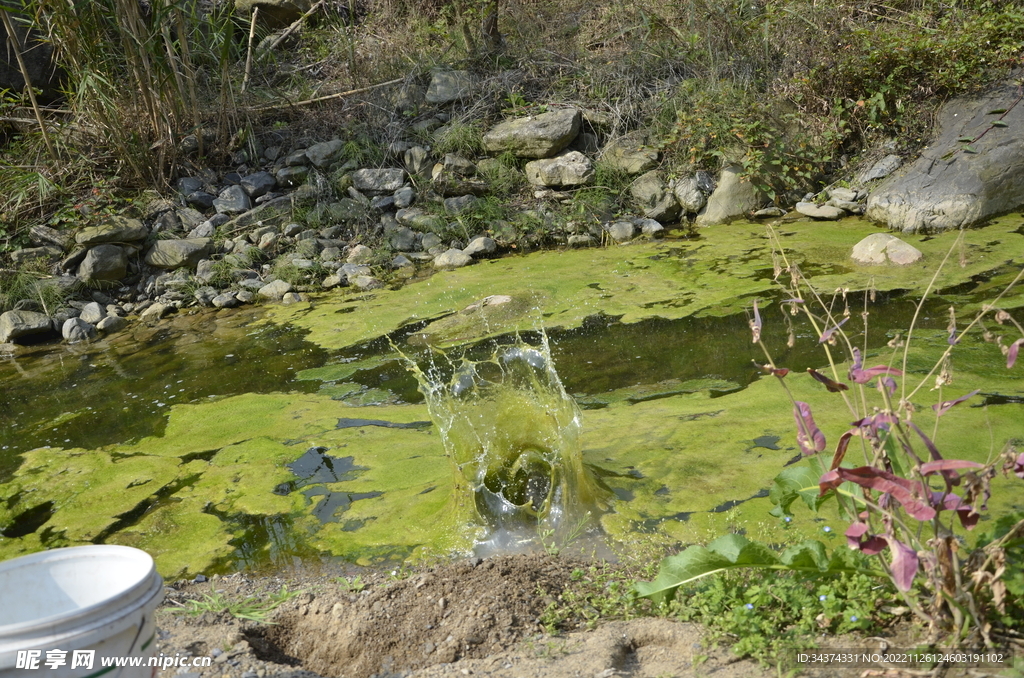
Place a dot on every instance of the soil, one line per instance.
(473, 617)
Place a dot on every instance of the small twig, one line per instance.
(327, 97)
(248, 55)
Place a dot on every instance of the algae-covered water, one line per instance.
(253, 438)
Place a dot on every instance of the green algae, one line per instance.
(714, 275)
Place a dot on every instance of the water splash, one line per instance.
(512, 434)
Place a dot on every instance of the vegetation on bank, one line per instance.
(792, 89)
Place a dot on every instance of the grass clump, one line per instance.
(250, 608)
(460, 137)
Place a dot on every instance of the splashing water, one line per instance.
(512, 434)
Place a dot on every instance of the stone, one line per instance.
(115, 229)
(649, 227)
(569, 168)
(883, 248)
(292, 176)
(734, 197)
(22, 324)
(628, 155)
(275, 290)
(225, 300)
(188, 185)
(365, 282)
(453, 258)
(954, 184)
(203, 230)
(274, 13)
(430, 241)
(291, 298)
(333, 280)
(824, 212)
(652, 196)
(171, 254)
(839, 193)
(326, 153)
(688, 194)
(768, 212)
(308, 247)
(75, 330)
(44, 235)
(360, 254)
(200, 200)
(448, 86)
(481, 247)
(111, 324)
(204, 295)
(621, 231)
(880, 169)
(23, 256)
(258, 183)
(417, 160)
(403, 239)
(580, 240)
(244, 296)
(404, 197)
(330, 254)
(291, 230)
(378, 181)
(539, 136)
(419, 220)
(103, 263)
(352, 270)
(93, 313)
(460, 204)
(232, 200)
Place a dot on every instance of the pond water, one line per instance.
(219, 440)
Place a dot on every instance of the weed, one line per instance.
(353, 585)
(250, 608)
(459, 137)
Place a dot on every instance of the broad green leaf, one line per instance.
(997, 111)
(998, 123)
(800, 481)
(966, 140)
(970, 149)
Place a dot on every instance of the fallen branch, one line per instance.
(327, 97)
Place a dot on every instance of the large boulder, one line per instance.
(734, 198)
(21, 324)
(653, 196)
(114, 229)
(570, 168)
(103, 264)
(535, 136)
(171, 254)
(973, 171)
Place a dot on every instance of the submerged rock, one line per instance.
(883, 248)
(75, 330)
(827, 212)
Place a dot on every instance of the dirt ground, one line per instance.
(473, 617)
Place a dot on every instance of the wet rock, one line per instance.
(688, 194)
(580, 240)
(655, 199)
(275, 290)
(172, 254)
(115, 229)
(376, 181)
(291, 298)
(538, 136)
(232, 200)
(75, 330)
(360, 254)
(649, 227)
(325, 154)
(453, 258)
(403, 239)
(621, 231)
(824, 212)
(22, 324)
(448, 86)
(630, 156)
(880, 169)
(570, 168)
(111, 324)
(365, 282)
(481, 247)
(883, 248)
(290, 177)
(734, 197)
(843, 194)
(204, 295)
(244, 296)
(258, 184)
(200, 200)
(93, 313)
(769, 212)
(430, 241)
(103, 263)
(225, 300)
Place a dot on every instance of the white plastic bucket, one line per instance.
(99, 598)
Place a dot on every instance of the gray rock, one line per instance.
(308, 247)
(352, 270)
(330, 254)
(882, 248)
(629, 155)
(115, 229)
(111, 323)
(649, 227)
(292, 230)
(430, 241)
(75, 330)
(275, 290)
(200, 199)
(103, 263)
(734, 197)
(204, 295)
(292, 176)
(365, 282)
(404, 197)
(538, 136)
(296, 159)
(419, 220)
(360, 254)
(188, 185)
(156, 311)
(825, 212)
(203, 230)
(258, 183)
(325, 154)
(23, 256)
(225, 300)
(21, 324)
(345, 210)
(460, 204)
(688, 194)
(880, 169)
(232, 200)
(481, 247)
(453, 258)
(417, 160)
(843, 194)
(401, 261)
(377, 181)
(245, 296)
(652, 196)
(447, 86)
(291, 298)
(171, 254)
(955, 184)
(168, 221)
(769, 212)
(620, 231)
(851, 207)
(580, 240)
(93, 313)
(569, 168)
(333, 280)
(403, 239)
(44, 235)
(251, 284)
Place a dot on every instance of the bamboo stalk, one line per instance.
(13, 37)
(327, 97)
(248, 55)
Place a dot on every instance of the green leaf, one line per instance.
(997, 111)
(798, 482)
(998, 123)
(970, 149)
(966, 140)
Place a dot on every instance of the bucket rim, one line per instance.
(85, 614)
